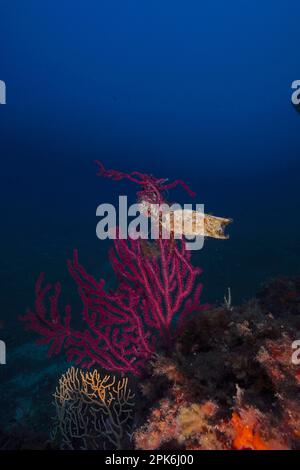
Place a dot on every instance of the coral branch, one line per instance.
(150, 185)
(157, 292)
(92, 411)
(121, 329)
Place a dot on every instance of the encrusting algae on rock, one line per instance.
(229, 382)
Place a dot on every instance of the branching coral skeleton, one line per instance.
(92, 411)
(158, 291)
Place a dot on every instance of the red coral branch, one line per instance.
(168, 282)
(152, 187)
(121, 329)
(158, 291)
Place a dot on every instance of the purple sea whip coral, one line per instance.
(152, 188)
(155, 295)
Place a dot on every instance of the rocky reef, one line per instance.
(230, 381)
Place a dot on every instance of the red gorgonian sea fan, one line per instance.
(151, 188)
(157, 291)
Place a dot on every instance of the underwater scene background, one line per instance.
(200, 92)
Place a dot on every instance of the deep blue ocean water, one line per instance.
(200, 91)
